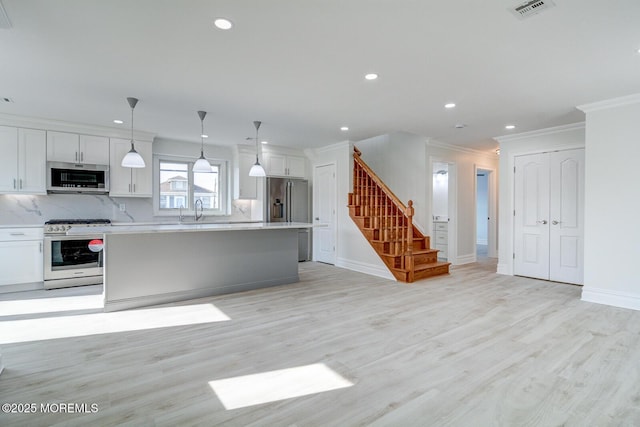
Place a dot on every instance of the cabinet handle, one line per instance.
(21, 183)
(16, 234)
(129, 188)
(82, 156)
(134, 188)
(76, 156)
(40, 247)
(554, 222)
(543, 222)
(15, 183)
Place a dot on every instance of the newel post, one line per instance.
(409, 254)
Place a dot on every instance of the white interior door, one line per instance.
(566, 216)
(532, 216)
(549, 216)
(324, 190)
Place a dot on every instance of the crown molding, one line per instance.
(331, 147)
(540, 132)
(61, 126)
(610, 103)
(439, 144)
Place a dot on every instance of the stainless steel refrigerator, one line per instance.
(288, 201)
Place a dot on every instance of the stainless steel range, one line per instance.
(72, 260)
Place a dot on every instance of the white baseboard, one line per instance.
(363, 267)
(4, 289)
(504, 269)
(613, 298)
(464, 259)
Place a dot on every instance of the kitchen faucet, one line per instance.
(195, 210)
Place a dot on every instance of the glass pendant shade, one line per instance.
(257, 170)
(132, 159)
(202, 164)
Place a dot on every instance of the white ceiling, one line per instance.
(298, 66)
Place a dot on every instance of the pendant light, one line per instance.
(202, 164)
(257, 169)
(132, 159)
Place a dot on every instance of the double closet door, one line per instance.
(549, 216)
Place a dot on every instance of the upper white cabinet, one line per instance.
(74, 148)
(246, 186)
(23, 160)
(277, 164)
(130, 182)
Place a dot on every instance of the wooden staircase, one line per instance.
(388, 226)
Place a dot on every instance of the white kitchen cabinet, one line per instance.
(441, 239)
(246, 186)
(75, 148)
(23, 161)
(277, 164)
(130, 182)
(21, 258)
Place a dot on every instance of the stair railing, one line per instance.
(388, 213)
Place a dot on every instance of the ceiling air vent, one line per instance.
(531, 8)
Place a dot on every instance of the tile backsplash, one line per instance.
(30, 210)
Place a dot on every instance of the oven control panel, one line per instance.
(63, 228)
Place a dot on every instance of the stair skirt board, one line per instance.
(365, 267)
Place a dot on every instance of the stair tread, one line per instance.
(426, 266)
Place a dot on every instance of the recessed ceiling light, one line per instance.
(371, 76)
(449, 105)
(344, 128)
(223, 23)
(204, 136)
(460, 125)
(510, 127)
(8, 100)
(264, 142)
(118, 121)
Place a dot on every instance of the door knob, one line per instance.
(543, 222)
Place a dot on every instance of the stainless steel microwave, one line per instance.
(77, 178)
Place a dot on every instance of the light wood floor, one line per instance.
(470, 349)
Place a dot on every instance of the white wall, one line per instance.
(463, 165)
(556, 138)
(352, 249)
(612, 203)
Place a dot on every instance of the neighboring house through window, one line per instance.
(179, 187)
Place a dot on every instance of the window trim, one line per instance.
(223, 184)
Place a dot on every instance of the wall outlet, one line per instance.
(123, 207)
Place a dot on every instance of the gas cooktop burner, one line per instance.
(78, 221)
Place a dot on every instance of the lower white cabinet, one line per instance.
(441, 239)
(21, 258)
(130, 182)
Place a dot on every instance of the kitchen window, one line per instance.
(179, 187)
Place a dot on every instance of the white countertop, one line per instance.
(172, 228)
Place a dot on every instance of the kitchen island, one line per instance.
(159, 263)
